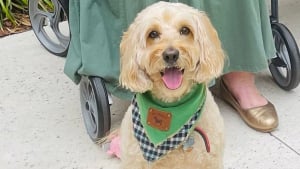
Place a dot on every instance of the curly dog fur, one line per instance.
(194, 49)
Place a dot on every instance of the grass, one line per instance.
(9, 9)
(14, 14)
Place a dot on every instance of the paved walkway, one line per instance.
(41, 126)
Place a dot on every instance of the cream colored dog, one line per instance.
(169, 50)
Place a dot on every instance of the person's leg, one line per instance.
(238, 89)
(242, 86)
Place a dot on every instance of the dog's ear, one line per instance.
(211, 53)
(131, 50)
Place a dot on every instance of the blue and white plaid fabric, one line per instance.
(151, 152)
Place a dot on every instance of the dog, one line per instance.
(169, 54)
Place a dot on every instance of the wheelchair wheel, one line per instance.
(285, 67)
(95, 107)
(50, 25)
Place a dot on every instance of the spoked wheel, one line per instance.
(95, 107)
(285, 67)
(49, 22)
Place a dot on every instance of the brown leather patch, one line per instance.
(159, 119)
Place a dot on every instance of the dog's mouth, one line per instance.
(172, 77)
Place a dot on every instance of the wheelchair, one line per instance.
(95, 105)
(48, 18)
(285, 67)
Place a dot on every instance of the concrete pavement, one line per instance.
(41, 126)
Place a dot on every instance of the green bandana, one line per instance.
(182, 111)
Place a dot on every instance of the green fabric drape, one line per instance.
(97, 25)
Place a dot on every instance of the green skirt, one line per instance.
(97, 27)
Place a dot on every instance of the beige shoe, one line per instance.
(262, 118)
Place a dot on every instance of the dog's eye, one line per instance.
(184, 31)
(153, 34)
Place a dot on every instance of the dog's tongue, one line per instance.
(172, 78)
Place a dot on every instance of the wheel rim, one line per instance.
(48, 26)
(89, 108)
(284, 71)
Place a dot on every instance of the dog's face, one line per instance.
(167, 49)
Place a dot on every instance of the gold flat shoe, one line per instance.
(263, 118)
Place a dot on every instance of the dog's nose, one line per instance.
(170, 55)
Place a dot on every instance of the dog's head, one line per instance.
(167, 49)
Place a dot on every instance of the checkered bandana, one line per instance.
(151, 152)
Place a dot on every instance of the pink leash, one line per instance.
(205, 138)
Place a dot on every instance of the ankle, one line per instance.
(242, 87)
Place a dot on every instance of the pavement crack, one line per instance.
(284, 143)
